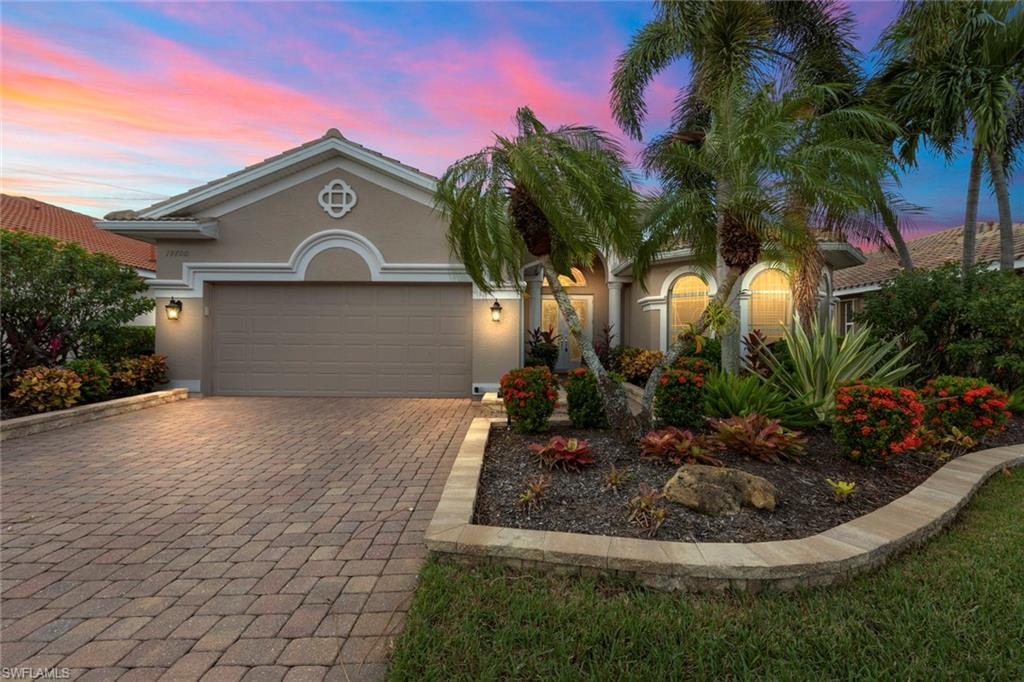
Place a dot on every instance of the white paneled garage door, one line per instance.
(341, 339)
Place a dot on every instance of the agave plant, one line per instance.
(823, 361)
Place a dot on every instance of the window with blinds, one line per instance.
(687, 301)
(771, 304)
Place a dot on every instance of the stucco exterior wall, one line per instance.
(181, 341)
(496, 345)
(269, 230)
(338, 265)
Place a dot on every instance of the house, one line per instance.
(929, 251)
(25, 214)
(325, 270)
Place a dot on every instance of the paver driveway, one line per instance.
(222, 538)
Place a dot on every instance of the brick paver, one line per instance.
(222, 538)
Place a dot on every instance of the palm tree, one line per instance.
(555, 196)
(747, 170)
(952, 71)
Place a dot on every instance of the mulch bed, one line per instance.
(581, 502)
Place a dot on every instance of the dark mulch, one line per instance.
(581, 502)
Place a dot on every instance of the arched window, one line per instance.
(687, 301)
(771, 304)
(576, 280)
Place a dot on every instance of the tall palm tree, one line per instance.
(952, 70)
(555, 196)
(746, 169)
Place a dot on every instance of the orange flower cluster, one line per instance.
(679, 399)
(872, 422)
(971, 405)
(530, 395)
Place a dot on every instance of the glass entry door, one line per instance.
(569, 355)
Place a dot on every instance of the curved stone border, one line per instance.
(823, 559)
(47, 421)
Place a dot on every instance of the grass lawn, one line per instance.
(953, 610)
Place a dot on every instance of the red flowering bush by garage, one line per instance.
(873, 422)
(971, 405)
(529, 395)
(679, 399)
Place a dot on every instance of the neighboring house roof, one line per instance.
(929, 251)
(331, 144)
(25, 214)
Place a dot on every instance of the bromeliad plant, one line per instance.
(872, 422)
(615, 477)
(971, 406)
(568, 453)
(675, 446)
(535, 494)
(758, 436)
(646, 510)
(823, 361)
(529, 395)
(841, 490)
(542, 348)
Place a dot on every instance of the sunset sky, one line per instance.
(109, 106)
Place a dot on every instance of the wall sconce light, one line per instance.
(496, 311)
(173, 309)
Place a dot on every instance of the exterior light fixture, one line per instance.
(496, 311)
(173, 309)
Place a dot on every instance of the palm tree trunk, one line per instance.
(971, 214)
(889, 218)
(804, 287)
(726, 295)
(613, 396)
(995, 166)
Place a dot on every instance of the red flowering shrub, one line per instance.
(971, 405)
(568, 453)
(695, 365)
(529, 395)
(872, 422)
(679, 399)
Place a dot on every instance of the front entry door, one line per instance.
(569, 355)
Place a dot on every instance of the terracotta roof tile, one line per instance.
(929, 251)
(30, 215)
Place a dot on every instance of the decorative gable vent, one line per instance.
(337, 198)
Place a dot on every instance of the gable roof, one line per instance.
(25, 214)
(331, 144)
(929, 251)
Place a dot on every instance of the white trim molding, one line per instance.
(659, 304)
(332, 143)
(151, 230)
(194, 275)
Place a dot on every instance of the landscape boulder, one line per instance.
(719, 491)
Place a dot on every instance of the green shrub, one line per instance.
(56, 294)
(952, 325)
(530, 395)
(586, 410)
(42, 389)
(822, 362)
(679, 399)
(758, 436)
(729, 395)
(973, 406)
(872, 422)
(141, 374)
(95, 378)
(122, 342)
(1015, 403)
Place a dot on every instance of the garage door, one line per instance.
(340, 339)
